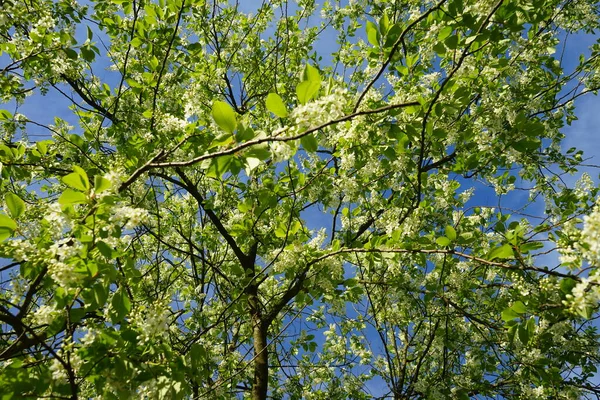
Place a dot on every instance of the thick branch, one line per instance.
(242, 146)
(193, 190)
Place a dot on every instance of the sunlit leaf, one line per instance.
(15, 205)
(224, 116)
(276, 105)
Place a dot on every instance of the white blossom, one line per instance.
(129, 216)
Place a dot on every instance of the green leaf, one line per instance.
(5, 115)
(309, 142)
(505, 251)
(511, 334)
(531, 326)
(71, 54)
(251, 164)
(15, 205)
(526, 145)
(311, 74)
(70, 196)
(100, 294)
(7, 227)
(276, 105)
(384, 23)
(567, 285)
(76, 314)
(508, 314)
(307, 90)
(281, 231)
(244, 134)
(77, 180)
(92, 268)
(519, 307)
(523, 333)
(198, 356)
(451, 42)
(450, 232)
(224, 116)
(411, 59)
(392, 35)
(104, 249)
(585, 311)
(530, 246)
(443, 241)
(121, 306)
(440, 48)
(87, 54)
(42, 146)
(372, 33)
(218, 166)
(260, 151)
(101, 184)
(136, 42)
(221, 140)
(445, 32)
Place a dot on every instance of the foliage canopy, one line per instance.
(234, 204)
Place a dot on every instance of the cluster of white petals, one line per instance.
(151, 321)
(129, 216)
(321, 110)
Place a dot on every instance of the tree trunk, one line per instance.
(261, 357)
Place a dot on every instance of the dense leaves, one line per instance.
(220, 199)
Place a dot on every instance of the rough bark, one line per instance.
(260, 385)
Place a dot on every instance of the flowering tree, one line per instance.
(220, 212)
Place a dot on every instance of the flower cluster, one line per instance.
(281, 151)
(320, 111)
(59, 268)
(58, 220)
(131, 217)
(151, 322)
(590, 236)
(44, 315)
(169, 123)
(585, 294)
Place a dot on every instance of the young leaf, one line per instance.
(218, 166)
(224, 116)
(384, 24)
(70, 196)
(309, 142)
(585, 311)
(523, 333)
(311, 74)
(519, 307)
(307, 90)
(504, 251)
(372, 34)
(443, 241)
(251, 164)
(445, 32)
(121, 305)
(104, 249)
(531, 246)
(5, 115)
(276, 105)
(7, 227)
(509, 314)
(15, 205)
(450, 232)
(101, 184)
(77, 179)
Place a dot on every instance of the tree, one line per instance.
(223, 213)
